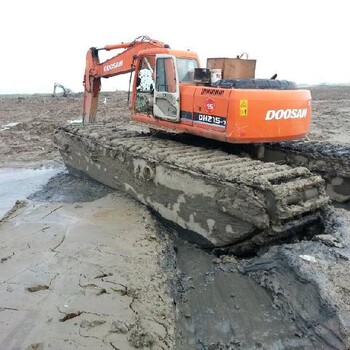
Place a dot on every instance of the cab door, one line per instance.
(166, 103)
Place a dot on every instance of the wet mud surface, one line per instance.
(290, 297)
(220, 308)
(18, 183)
(329, 160)
(70, 262)
(268, 302)
(330, 107)
(68, 188)
(71, 277)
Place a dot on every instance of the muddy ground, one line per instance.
(85, 267)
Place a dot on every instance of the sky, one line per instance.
(43, 42)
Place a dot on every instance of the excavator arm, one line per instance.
(121, 63)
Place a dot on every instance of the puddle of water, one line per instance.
(19, 183)
(46, 184)
(8, 126)
(75, 121)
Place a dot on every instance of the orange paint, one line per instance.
(226, 114)
(252, 128)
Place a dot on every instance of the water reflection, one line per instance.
(19, 183)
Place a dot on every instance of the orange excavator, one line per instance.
(225, 199)
(171, 91)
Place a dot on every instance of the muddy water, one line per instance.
(67, 188)
(19, 183)
(46, 184)
(220, 308)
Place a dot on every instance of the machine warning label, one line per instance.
(209, 105)
(209, 119)
(243, 108)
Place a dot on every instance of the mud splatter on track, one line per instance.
(225, 199)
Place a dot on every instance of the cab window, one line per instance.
(185, 69)
(145, 82)
(166, 76)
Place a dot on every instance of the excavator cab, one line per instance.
(157, 84)
(157, 87)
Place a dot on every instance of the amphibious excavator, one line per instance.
(224, 199)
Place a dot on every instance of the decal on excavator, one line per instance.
(209, 119)
(243, 108)
(214, 92)
(113, 66)
(209, 105)
(285, 114)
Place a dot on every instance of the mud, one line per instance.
(71, 277)
(24, 180)
(304, 285)
(33, 119)
(214, 301)
(329, 160)
(219, 308)
(312, 291)
(331, 114)
(296, 296)
(67, 188)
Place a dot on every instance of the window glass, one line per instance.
(166, 76)
(185, 69)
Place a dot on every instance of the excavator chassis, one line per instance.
(228, 201)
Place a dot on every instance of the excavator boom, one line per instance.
(123, 62)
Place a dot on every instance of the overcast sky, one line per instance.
(43, 42)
